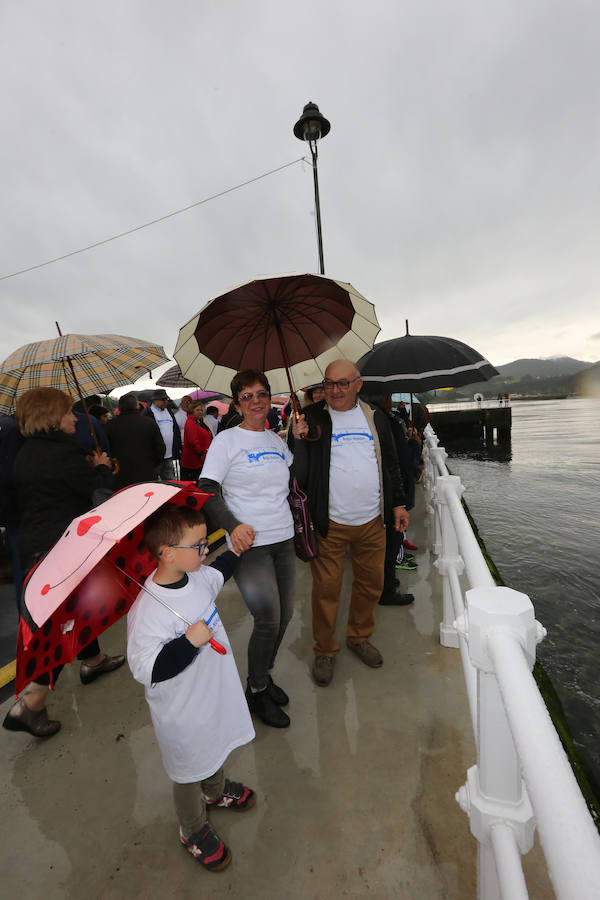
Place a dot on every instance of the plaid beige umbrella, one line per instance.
(101, 362)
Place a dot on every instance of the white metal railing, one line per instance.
(522, 779)
(468, 404)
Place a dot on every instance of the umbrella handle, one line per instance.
(216, 646)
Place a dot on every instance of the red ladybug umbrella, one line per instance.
(91, 577)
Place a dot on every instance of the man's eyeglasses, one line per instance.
(259, 395)
(201, 547)
(343, 384)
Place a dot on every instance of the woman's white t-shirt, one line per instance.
(201, 714)
(252, 468)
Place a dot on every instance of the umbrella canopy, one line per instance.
(417, 362)
(290, 327)
(88, 579)
(101, 362)
(173, 378)
(199, 394)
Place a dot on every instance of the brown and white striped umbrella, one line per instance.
(101, 362)
(290, 327)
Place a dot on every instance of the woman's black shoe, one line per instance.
(277, 694)
(262, 705)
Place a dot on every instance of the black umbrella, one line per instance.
(419, 362)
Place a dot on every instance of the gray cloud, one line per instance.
(458, 183)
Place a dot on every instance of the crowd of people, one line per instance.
(358, 462)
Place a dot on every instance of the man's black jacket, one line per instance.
(312, 460)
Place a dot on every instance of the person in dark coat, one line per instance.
(55, 482)
(136, 442)
(349, 468)
(10, 444)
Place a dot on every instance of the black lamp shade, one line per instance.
(311, 125)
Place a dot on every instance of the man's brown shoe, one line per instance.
(322, 670)
(369, 654)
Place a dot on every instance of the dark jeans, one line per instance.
(265, 577)
(393, 542)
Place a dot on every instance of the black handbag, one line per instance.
(305, 537)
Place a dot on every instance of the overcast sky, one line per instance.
(459, 182)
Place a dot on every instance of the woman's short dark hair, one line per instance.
(167, 525)
(244, 379)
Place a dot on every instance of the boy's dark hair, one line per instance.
(166, 525)
(244, 379)
(212, 411)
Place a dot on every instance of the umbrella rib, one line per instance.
(148, 591)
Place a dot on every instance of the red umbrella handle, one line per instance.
(217, 647)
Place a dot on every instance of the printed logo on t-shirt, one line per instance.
(350, 437)
(258, 457)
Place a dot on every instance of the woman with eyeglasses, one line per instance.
(247, 470)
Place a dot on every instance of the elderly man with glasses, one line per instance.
(345, 458)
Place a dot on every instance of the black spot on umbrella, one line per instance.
(120, 606)
(86, 615)
(30, 667)
(85, 635)
(104, 622)
(102, 609)
(130, 536)
(141, 548)
(191, 501)
(47, 628)
(71, 603)
(138, 567)
(36, 644)
(46, 661)
(120, 562)
(57, 653)
(46, 646)
(127, 581)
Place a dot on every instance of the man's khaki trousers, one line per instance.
(367, 553)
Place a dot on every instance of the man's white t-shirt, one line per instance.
(165, 423)
(354, 494)
(201, 714)
(252, 468)
(181, 419)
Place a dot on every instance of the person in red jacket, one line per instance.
(197, 438)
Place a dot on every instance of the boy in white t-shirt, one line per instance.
(194, 693)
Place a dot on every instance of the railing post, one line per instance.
(449, 555)
(495, 793)
(438, 457)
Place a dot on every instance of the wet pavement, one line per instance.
(355, 799)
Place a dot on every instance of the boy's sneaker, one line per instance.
(408, 564)
(235, 796)
(207, 847)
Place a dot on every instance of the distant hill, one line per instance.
(543, 368)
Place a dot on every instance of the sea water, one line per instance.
(537, 507)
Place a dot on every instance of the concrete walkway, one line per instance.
(355, 799)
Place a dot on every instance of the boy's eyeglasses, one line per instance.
(343, 384)
(201, 547)
(259, 395)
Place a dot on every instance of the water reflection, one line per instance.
(476, 448)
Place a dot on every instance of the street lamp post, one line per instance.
(310, 127)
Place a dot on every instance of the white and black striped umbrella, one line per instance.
(420, 362)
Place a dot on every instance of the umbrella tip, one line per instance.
(406, 320)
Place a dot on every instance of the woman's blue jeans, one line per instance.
(265, 577)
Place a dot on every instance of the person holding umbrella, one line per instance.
(349, 469)
(247, 470)
(54, 483)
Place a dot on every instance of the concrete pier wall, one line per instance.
(476, 422)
